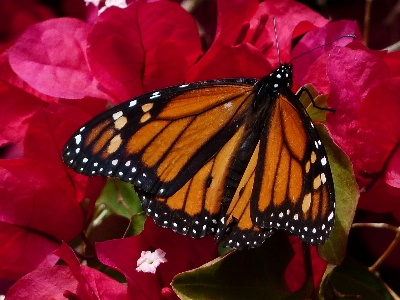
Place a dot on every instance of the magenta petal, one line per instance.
(114, 253)
(393, 169)
(143, 47)
(219, 64)
(351, 73)
(379, 128)
(51, 57)
(293, 19)
(23, 250)
(66, 253)
(17, 107)
(317, 38)
(38, 198)
(44, 283)
(91, 281)
(100, 286)
(381, 198)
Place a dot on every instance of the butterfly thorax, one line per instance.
(269, 87)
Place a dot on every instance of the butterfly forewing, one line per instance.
(159, 140)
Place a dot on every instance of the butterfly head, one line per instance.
(281, 78)
(279, 81)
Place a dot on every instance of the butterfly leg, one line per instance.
(305, 90)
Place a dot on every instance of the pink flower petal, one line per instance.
(143, 47)
(51, 57)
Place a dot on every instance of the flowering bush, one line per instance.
(63, 71)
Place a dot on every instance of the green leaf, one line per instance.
(351, 279)
(120, 198)
(346, 197)
(137, 224)
(256, 273)
(315, 113)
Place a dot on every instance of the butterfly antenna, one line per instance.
(323, 45)
(276, 38)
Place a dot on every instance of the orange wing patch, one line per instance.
(144, 135)
(285, 150)
(195, 135)
(197, 101)
(239, 208)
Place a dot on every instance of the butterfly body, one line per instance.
(235, 157)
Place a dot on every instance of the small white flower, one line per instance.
(149, 261)
(109, 3)
(95, 2)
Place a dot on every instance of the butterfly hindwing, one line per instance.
(159, 140)
(237, 222)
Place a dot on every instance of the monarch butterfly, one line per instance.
(234, 157)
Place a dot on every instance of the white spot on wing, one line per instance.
(323, 178)
(132, 103)
(155, 95)
(117, 115)
(78, 139)
(228, 105)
